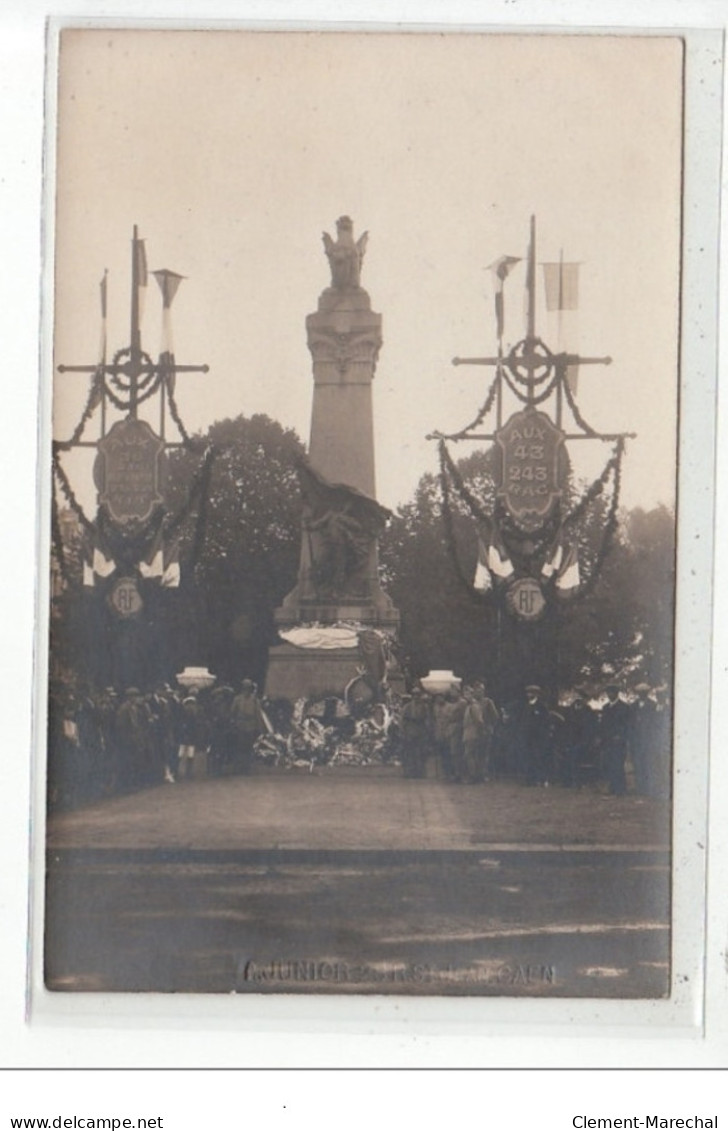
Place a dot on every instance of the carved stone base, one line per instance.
(295, 673)
(316, 673)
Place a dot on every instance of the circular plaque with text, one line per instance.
(125, 598)
(525, 598)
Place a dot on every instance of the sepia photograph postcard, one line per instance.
(366, 510)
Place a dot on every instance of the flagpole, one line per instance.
(560, 338)
(531, 298)
(135, 331)
(500, 268)
(168, 282)
(104, 310)
(499, 321)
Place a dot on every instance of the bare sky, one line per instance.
(233, 151)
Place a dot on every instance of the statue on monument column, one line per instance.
(344, 255)
(342, 525)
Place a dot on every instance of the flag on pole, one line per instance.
(103, 290)
(501, 268)
(96, 562)
(568, 580)
(499, 562)
(97, 378)
(141, 263)
(169, 282)
(161, 562)
(553, 561)
(171, 574)
(561, 282)
(493, 559)
(562, 563)
(483, 581)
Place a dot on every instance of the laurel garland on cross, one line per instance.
(132, 378)
(523, 534)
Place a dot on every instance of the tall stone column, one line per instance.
(338, 576)
(344, 337)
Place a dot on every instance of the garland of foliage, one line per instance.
(141, 385)
(447, 466)
(526, 398)
(482, 412)
(586, 428)
(514, 360)
(131, 544)
(124, 405)
(57, 540)
(70, 497)
(577, 511)
(539, 541)
(99, 386)
(205, 475)
(128, 546)
(174, 412)
(95, 391)
(559, 378)
(610, 528)
(199, 487)
(598, 485)
(612, 470)
(475, 507)
(447, 519)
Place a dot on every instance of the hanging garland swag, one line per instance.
(612, 472)
(123, 543)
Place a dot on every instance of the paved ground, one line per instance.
(365, 808)
(357, 881)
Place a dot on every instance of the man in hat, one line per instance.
(491, 717)
(662, 762)
(615, 733)
(191, 733)
(643, 740)
(534, 738)
(440, 738)
(132, 732)
(163, 731)
(247, 722)
(453, 714)
(222, 740)
(579, 747)
(415, 724)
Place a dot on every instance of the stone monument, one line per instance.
(338, 589)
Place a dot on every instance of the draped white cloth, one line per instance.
(322, 636)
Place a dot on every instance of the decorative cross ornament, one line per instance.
(530, 362)
(132, 372)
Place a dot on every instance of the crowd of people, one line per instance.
(624, 745)
(106, 742)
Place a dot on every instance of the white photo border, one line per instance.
(133, 1019)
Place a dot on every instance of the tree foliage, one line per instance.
(622, 628)
(442, 624)
(237, 569)
(248, 555)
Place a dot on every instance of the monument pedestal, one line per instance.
(315, 673)
(310, 673)
(338, 576)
